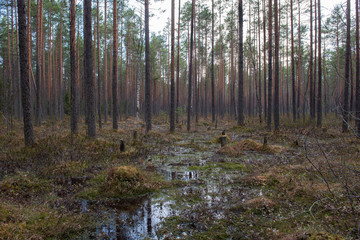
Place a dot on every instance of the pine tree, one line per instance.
(88, 71)
(24, 75)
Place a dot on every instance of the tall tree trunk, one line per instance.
(312, 93)
(190, 64)
(347, 71)
(24, 74)
(212, 63)
(299, 63)
(115, 63)
(29, 40)
(147, 70)
(172, 98)
(270, 74)
(105, 67)
(38, 64)
(98, 63)
(73, 70)
(178, 66)
(259, 52)
(319, 104)
(88, 70)
(292, 62)
(264, 35)
(357, 67)
(240, 119)
(276, 100)
(60, 90)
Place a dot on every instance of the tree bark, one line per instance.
(270, 74)
(172, 98)
(88, 70)
(212, 63)
(190, 64)
(345, 110)
(240, 119)
(98, 64)
(73, 70)
(357, 67)
(24, 75)
(319, 104)
(178, 66)
(276, 100)
(292, 62)
(115, 63)
(147, 71)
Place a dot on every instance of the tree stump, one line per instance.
(122, 146)
(135, 136)
(223, 140)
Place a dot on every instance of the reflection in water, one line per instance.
(140, 223)
(145, 219)
(149, 226)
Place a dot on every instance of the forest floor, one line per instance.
(304, 183)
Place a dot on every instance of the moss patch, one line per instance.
(217, 139)
(23, 186)
(123, 182)
(237, 148)
(38, 222)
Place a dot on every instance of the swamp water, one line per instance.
(208, 189)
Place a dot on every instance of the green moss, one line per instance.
(66, 169)
(123, 182)
(232, 166)
(38, 222)
(217, 139)
(23, 185)
(193, 145)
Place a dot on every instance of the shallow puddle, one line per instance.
(207, 191)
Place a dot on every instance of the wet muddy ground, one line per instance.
(303, 183)
(209, 187)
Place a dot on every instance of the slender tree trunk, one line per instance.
(178, 66)
(88, 70)
(259, 70)
(190, 64)
(29, 40)
(345, 110)
(292, 62)
(98, 63)
(172, 98)
(24, 74)
(147, 71)
(264, 35)
(241, 68)
(212, 63)
(38, 64)
(105, 67)
(276, 102)
(115, 63)
(299, 63)
(312, 106)
(73, 70)
(357, 67)
(287, 68)
(61, 90)
(319, 104)
(270, 74)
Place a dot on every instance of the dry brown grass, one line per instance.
(237, 148)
